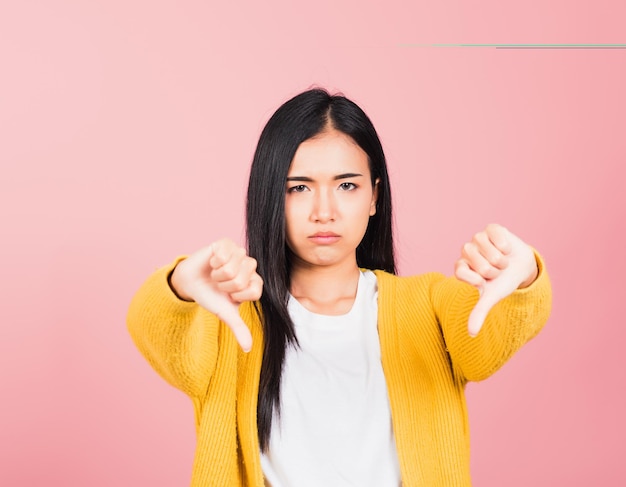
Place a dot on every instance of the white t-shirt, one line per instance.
(335, 424)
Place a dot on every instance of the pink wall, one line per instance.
(126, 130)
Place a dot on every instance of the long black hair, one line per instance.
(299, 119)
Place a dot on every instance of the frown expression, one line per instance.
(329, 200)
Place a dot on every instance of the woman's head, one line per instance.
(329, 201)
(299, 119)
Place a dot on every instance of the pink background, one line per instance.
(126, 132)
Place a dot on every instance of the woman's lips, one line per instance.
(324, 238)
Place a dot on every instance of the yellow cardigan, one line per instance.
(427, 356)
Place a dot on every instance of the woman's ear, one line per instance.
(374, 197)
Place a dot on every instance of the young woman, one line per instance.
(307, 360)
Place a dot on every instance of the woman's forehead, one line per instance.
(330, 152)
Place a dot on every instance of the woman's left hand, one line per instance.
(496, 262)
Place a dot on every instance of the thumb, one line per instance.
(479, 314)
(230, 316)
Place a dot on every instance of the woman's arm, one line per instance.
(175, 316)
(179, 339)
(507, 302)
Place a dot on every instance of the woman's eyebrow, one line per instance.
(348, 175)
(299, 178)
(337, 177)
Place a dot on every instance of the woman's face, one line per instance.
(329, 200)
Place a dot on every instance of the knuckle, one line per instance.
(492, 226)
(249, 264)
(461, 265)
(258, 280)
(253, 263)
(259, 285)
(255, 288)
(241, 282)
(498, 260)
(229, 273)
(485, 270)
(220, 245)
(481, 239)
(459, 274)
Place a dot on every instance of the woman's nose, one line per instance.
(324, 209)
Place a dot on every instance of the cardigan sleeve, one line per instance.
(510, 323)
(179, 339)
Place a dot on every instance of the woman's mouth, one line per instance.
(324, 238)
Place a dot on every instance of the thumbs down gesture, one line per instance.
(496, 262)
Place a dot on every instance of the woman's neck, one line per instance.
(325, 290)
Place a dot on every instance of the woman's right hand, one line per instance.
(218, 278)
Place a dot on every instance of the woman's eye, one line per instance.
(298, 189)
(347, 186)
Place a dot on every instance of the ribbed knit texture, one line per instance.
(427, 355)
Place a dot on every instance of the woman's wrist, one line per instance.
(173, 279)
